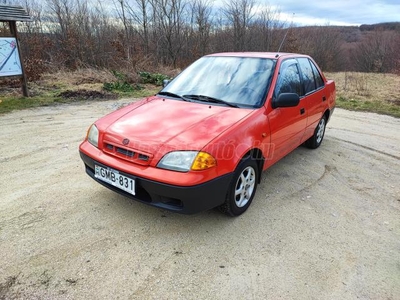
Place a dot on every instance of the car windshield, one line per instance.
(239, 81)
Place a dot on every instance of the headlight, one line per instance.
(93, 136)
(183, 161)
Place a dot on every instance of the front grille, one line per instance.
(143, 157)
(126, 154)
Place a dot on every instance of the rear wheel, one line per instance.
(242, 188)
(316, 140)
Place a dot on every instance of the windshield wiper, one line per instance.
(173, 95)
(210, 99)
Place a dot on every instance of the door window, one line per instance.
(318, 78)
(307, 75)
(289, 79)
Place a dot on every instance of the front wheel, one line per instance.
(316, 140)
(242, 188)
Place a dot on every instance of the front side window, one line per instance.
(289, 79)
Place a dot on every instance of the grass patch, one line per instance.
(67, 87)
(10, 103)
(121, 84)
(370, 92)
(369, 106)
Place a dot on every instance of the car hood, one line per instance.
(160, 125)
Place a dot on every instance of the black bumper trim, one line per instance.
(181, 199)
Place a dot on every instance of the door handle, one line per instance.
(323, 98)
(302, 111)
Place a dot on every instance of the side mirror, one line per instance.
(165, 82)
(286, 100)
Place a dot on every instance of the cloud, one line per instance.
(334, 12)
(340, 12)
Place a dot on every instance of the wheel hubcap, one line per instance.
(320, 130)
(245, 186)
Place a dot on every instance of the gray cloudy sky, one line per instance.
(321, 12)
(338, 12)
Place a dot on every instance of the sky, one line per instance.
(321, 12)
(337, 12)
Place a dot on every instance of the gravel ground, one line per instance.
(325, 223)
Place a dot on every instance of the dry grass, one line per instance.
(81, 78)
(368, 92)
(67, 86)
(170, 72)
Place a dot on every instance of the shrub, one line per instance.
(121, 84)
(153, 78)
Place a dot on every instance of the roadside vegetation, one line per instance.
(80, 85)
(372, 92)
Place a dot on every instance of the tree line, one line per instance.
(138, 35)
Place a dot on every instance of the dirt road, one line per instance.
(325, 223)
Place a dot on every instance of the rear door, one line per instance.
(314, 94)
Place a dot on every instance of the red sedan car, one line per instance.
(205, 138)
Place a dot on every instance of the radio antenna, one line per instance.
(287, 31)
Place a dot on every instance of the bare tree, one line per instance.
(34, 43)
(239, 14)
(170, 24)
(266, 29)
(35, 10)
(201, 16)
(378, 52)
(141, 13)
(150, 33)
(323, 43)
(122, 7)
(58, 17)
(104, 53)
(60, 13)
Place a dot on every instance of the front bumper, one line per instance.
(181, 199)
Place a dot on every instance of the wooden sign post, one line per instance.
(11, 62)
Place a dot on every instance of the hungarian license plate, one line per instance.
(114, 178)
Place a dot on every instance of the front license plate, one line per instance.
(113, 177)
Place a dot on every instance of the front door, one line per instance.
(287, 124)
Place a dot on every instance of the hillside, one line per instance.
(365, 48)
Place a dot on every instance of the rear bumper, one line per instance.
(181, 199)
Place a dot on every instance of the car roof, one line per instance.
(271, 55)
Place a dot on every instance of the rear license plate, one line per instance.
(113, 177)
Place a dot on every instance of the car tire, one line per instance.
(316, 140)
(242, 188)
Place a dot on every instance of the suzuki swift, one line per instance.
(204, 140)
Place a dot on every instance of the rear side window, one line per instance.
(308, 75)
(289, 79)
(318, 78)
